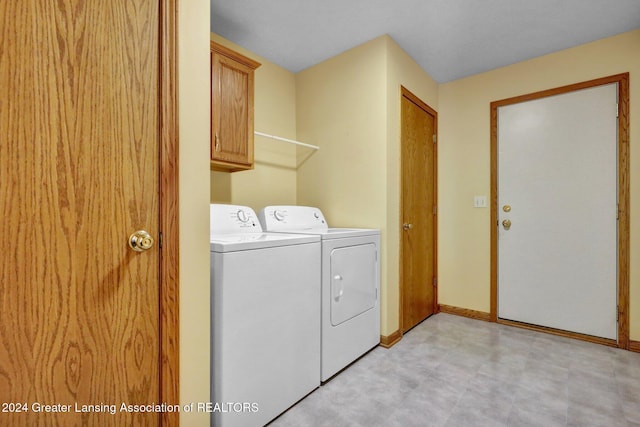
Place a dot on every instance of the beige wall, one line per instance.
(341, 108)
(464, 232)
(193, 105)
(349, 105)
(273, 180)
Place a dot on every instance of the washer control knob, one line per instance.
(278, 215)
(316, 215)
(242, 216)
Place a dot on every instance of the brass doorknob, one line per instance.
(407, 226)
(140, 241)
(506, 224)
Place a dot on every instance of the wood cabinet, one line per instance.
(232, 81)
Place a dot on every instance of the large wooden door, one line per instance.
(418, 251)
(79, 129)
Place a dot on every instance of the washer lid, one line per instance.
(249, 241)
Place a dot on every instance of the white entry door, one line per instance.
(557, 185)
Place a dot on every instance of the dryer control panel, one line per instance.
(288, 218)
(233, 219)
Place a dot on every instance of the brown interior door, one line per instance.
(418, 251)
(79, 173)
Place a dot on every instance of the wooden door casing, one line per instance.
(80, 121)
(418, 208)
(623, 240)
(557, 168)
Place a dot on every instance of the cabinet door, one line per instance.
(232, 113)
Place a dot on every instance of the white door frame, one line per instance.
(623, 198)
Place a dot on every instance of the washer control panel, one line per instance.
(292, 218)
(229, 219)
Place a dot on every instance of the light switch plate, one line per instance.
(479, 201)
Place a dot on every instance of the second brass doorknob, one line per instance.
(506, 224)
(140, 241)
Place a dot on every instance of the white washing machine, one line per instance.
(350, 324)
(265, 318)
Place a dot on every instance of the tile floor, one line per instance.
(453, 371)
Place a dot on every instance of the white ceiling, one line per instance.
(450, 39)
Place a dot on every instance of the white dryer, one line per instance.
(350, 324)
(265, 318)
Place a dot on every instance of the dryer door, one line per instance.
(353, 281)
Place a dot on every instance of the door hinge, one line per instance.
(617, 313)
(160, 240)
(435, 210)
(435, 138)
(618, 212)
(617, 111)
(435, 282)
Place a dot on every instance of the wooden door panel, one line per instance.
(79, 173)
(234, 110)
(418, 202)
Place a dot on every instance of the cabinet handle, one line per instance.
(217, 143)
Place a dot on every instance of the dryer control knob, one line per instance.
(278, 215)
